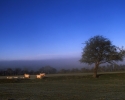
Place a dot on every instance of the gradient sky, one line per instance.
(44, 29)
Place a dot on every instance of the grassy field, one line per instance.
(109, 86)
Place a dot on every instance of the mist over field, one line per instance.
(60, 63)
(64, 63)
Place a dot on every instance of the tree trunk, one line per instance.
(95, 70)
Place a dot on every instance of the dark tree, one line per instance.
(98, 50)
(47, 70)
(17, 71)
(9, 71)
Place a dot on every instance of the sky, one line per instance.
(50, 29)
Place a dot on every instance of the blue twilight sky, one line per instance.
(49, 29)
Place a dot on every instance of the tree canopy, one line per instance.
(98, 50)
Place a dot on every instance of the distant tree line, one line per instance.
(51, 70)
(19, 71)
(105, 68)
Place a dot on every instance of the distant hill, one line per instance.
(64, 63)
(67, 63)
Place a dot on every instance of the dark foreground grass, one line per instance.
(106, 87)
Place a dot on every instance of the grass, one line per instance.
(65, 87)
